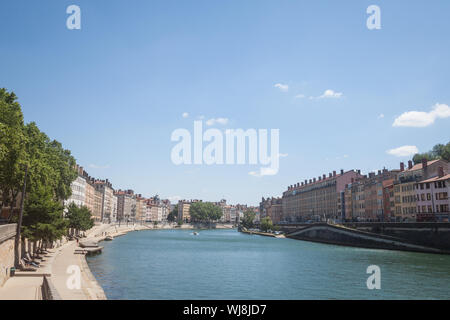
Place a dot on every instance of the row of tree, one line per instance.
(33, 165)
(204, 212)
(439, 151)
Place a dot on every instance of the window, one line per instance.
(428, 196)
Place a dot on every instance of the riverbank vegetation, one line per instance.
(35, 171)
(204, 212)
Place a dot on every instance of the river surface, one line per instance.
(226, 264)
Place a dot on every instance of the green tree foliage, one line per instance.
(266, 224)
(43, 216)
(50, 172)
(247, 221)
(439, 151)
(204, 212)
(173, 215)
(12, 148)
(79, 218)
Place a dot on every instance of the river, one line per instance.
(226, 264)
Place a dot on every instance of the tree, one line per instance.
(204, 212)
(266, 224)
(439, 151)
(50, 171)
(79, 218)
(12, 149)
(43, 217)
(173, 215)
(247, 221)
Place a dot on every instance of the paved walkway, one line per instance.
(27, 285)
(22, 288)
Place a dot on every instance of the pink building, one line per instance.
(432, 198)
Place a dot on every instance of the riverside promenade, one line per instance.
(27, 285)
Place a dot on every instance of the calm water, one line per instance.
(226, 264)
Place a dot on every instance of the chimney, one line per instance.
(424, 163)
(334, 173)
(302, 184)
(330, 175)
(359, 171)
(310, 181)
(379, 172)
(306, 181)
(314, 180)
(410, 164)
(342, 171)
(402, 166)
(324, 176)
(440, 172)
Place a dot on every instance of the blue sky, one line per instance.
(114, 91)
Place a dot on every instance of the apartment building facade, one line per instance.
(317, 199)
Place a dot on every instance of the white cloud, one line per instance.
(222, 121)
(420, 119)
(330, 94)
(282, 155)
(300, 96)
(282, 87)
(185, 115)
(95, 166)
(403, 151)
(381, 116)
(263, 172)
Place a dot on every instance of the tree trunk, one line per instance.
(19, 223)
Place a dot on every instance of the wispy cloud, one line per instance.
(263, 172)
(282, 87)
(403, 151)
(330, 94)
(381, 116)
(185, 115)
(420, 119)
(213, 121)
(300, 96)
(95, 166)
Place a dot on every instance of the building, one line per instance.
(317, 199)
(126, 206)
(155, 209)
(432, 198)
(105, 189)
(363, 198)
(114, 209)
(272, 208)
(78, 187)
(388, 200)
(404, 188)
(90, 196)
(183, 211)
(141, 208)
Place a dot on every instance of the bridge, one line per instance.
(415, 236)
